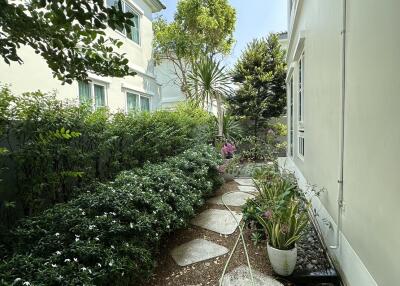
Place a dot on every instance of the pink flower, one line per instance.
(228, 148)
(268, 214)
(221, 168)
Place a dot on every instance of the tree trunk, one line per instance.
(220, 116)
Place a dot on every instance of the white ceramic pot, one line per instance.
(282, 261)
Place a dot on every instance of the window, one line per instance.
(291, 114)
(132, 101)
(144, 103)
(301, 88)
(300, 136)
(99, 96)
(93, 93)
(301, 144)
(85, 94)
(135, 102)
(134, 33)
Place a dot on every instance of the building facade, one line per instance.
(141, 91)
(344, 135)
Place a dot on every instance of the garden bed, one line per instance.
(313, 265)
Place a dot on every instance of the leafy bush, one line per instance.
(109, 235)
(54, 147)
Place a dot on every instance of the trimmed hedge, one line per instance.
(108, 236)
(55, 148)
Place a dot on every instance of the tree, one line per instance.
(260, 74)
(69, 35)
(208, 81)
(199, 27)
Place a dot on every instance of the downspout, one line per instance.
(342, 127)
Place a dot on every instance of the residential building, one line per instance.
(171, 92)
(343, 118)
(141, 91)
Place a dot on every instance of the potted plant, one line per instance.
(283, 225)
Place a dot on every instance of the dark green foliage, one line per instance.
(69, 35)
(109, 235)
(260, 74)
(54, 147)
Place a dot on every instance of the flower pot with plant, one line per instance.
(282, 213)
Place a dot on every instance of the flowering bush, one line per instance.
(228, 149)
(109, 234)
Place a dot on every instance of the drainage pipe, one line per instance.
(342, 127)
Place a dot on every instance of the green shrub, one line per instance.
(109, 235)
(55, 147)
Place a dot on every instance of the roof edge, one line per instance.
(155, 5)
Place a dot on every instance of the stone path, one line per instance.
(223, 222)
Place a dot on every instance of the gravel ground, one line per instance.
(311, 255)
(208, 272)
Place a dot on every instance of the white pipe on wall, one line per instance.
(342, 127)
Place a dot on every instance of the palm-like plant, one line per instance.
(208, 81)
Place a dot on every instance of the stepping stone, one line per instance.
(220, 221)
(245, 181)
(240, 276)
(197, 250)
(235, 199)
(248, 189)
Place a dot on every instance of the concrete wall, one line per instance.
(370, 244)
(34, 73)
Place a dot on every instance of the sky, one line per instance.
(255, 19)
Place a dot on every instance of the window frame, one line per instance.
(138, 14)
(301, 89)
(91, 84)
(138, 100)
(291, 117)
(300, 106)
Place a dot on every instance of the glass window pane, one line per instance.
(132, 101)
(118, 5)
(84, 92)
(133, 34)
(144, 103)
(99, 96)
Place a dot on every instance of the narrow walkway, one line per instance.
(196, 256)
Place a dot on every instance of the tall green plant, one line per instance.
(260, 74)
(208, 82)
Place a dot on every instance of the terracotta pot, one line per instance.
(282, 261)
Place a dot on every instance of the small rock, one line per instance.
(309, 266)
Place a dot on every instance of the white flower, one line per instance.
(91, 227)
(67, 260)
(111, 263)
(96, 238)
(76, 239)
(83, 268)
(57, 234)
(17, 280)
(99, 264)
(54, 265)
(26, 283)
(90, 271)
(76, 259)
(58, 252)
(112, 246)
(83, 213)
(131, 225)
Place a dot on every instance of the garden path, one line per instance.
(197, 256)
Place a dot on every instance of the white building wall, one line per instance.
(369, 249)
(34, 73)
